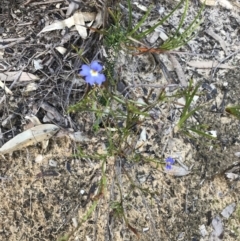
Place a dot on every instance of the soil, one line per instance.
(46, 193)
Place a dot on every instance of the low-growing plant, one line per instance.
(118, 118)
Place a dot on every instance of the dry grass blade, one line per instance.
(179, 70)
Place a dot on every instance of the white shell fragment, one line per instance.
(52, 163)
(231, 176)
(223, 3)
(82, 191)
(237, 154)
(145, 229)
(163, 36)
(31, 87)
(140, 6)
(212, 133)
(61, 50)
(75, 222)
(203, 230)
(143, 135)
(29, 137)
(37, 64)
(78, 136)
(218, 229)
(227, 211)
(39, 158)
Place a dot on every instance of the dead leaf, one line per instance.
(29, 137)
(80, 25)
(73, 5)
(54, 113)
(179, 70)
(11, 76)
(98, 20)
(78, 137)
(209, 64)
(218, 38)
(30, 87)
(78, 19)
(2, 85)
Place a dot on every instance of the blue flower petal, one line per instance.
(168, 167)
(96, 66)
(90, 79)
(100, 79)
(85, 70)
(170, 161)
(92, 73)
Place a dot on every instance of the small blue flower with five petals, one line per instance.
(169, 162)
(92, 73)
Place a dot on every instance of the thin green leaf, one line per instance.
(233, 110)
(182, 19)
(140, 22)
(189, 98)
(202, 133)
(129, 15)
(186, 116)
(150, 30)
(176, 42)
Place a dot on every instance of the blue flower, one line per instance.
(169, 162)
(92, 73)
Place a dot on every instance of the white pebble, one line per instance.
(52, 163)
(39, 158)
(82, 191)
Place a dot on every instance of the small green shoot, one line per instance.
(161, 22)
(188, 112)
(179, 39)
(233, 110)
